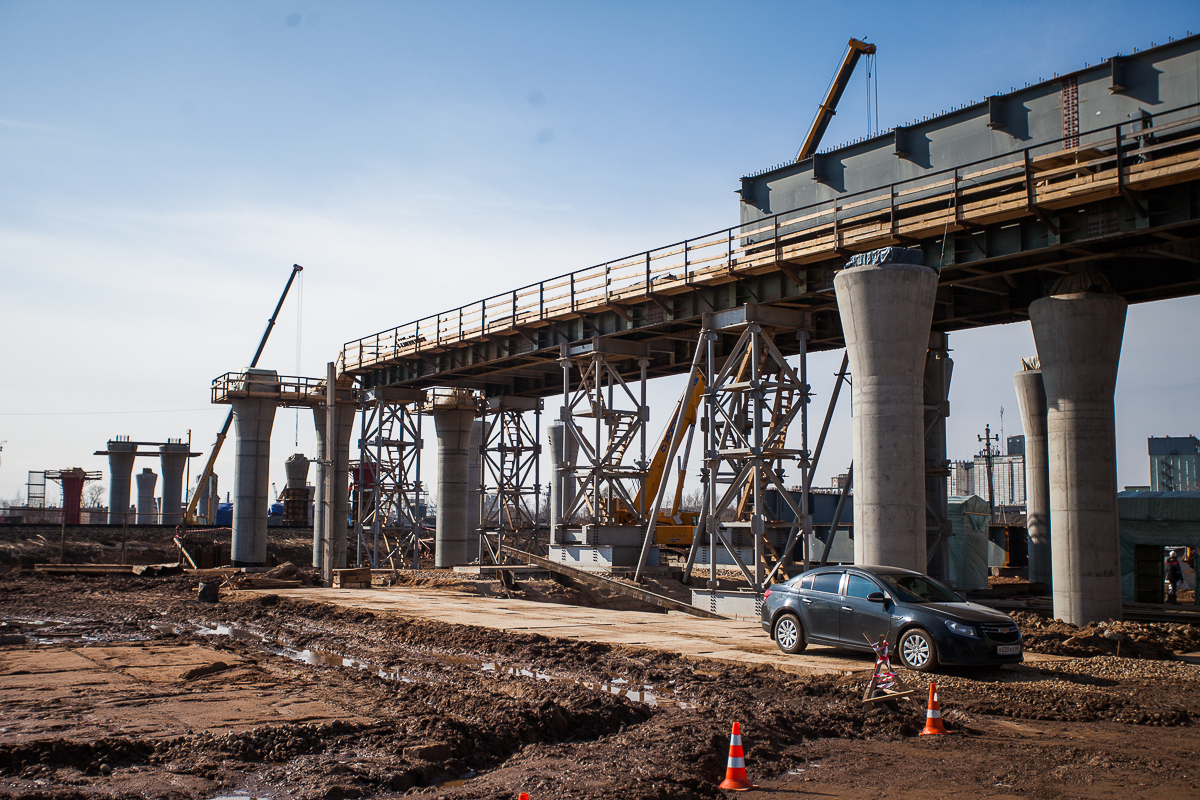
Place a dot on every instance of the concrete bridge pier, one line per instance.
(1031, 397)
(173, 457)
(886, 308)
(564, 453)
(1078, 335)
(458, 506)
(253, 418)
(338, 506)
(147, 514)
(120, 476)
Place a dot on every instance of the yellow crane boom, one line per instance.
(829, 105)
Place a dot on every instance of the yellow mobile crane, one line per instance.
(829, 105)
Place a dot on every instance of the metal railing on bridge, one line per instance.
(1103, 162)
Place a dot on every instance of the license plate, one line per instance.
(1008, 649)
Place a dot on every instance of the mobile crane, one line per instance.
(829, 105)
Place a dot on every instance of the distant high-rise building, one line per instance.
(1173, 463)
(1008, 478)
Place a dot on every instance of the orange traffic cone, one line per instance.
(933, 716)
(523, 796)
(735, 772)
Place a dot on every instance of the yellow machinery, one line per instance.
(829, 105)
(673, 528)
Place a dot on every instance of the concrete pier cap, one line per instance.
(885, 300)
(253, 419)
(1078, 330)
(454, 414)
(1031, 397)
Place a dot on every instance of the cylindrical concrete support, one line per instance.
(208, 500)
(295, 496)
(1031, 397)
(1079, 345)
(319, 489)
(120, 476)
(253, 418)
(147, 513)
(173, 457)
(886, 310)
(564, 452)
(455, 431)
(939, 368)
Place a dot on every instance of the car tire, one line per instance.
(789, 633)
(917, 650)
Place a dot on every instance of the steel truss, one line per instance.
(388, 524)
(604, 486)
(752, 400)
(510, 491)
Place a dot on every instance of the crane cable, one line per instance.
(299, 328)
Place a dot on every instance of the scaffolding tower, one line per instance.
(510, 493)
(390, 494)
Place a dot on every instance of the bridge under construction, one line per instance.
(1058, 203)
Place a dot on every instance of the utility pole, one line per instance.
(987, 440)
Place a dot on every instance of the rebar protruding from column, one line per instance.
(886, 307)
(1078, 330)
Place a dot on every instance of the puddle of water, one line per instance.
(22, 624)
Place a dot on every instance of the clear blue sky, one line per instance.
(163, 164)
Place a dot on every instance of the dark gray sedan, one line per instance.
(926, 623)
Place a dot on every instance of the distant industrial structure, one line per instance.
(1006, 492)
(1173, 463)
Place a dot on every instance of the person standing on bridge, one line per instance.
(1174, 576)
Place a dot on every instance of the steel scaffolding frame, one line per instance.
(606, 487)
(751, 401)
(510, 487)
(388, 522)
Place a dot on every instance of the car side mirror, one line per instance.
(877, 597)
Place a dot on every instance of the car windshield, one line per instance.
(919, 589)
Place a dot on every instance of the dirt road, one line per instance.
(141, 690)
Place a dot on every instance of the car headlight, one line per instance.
(961, 630)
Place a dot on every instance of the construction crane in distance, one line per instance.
(829, 105)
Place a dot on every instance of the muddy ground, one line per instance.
(140, 690)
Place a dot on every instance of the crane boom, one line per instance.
(190, 516)
(829, 105)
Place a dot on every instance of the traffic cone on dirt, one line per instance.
(735, 772)
(933, 715)
(523, 796)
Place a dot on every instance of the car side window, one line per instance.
(827, 582)
(806, 582)
(858, 586)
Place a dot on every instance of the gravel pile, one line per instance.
(1140, 640)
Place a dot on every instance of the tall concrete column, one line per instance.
(1031, 397)
(939, 368)
(886, 309)
(319, 489)
(564, 453)
(454, 422)
(173, 457)
(120, 476)
(147, 513)
(1078, 339)
(253, 418)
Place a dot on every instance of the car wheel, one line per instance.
(789, 635)
(917, 650)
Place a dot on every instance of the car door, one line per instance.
(859, 615)
(821, 606)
